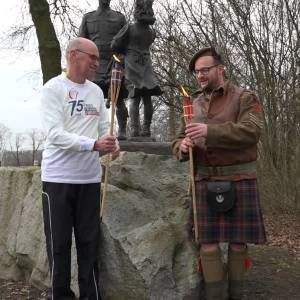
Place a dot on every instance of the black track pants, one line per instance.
(68, 206)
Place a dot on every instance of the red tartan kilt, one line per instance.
(242, 224)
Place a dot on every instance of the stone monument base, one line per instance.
(141, 139)
(160, 148)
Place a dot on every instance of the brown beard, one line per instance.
(208, 88)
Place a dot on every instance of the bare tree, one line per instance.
(5, 134)
(170, 60)
(37, 138)
(51, 19)
(49, 48)
(260, 43)
(16, 147)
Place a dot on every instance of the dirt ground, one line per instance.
(274, 274)
(19, 291)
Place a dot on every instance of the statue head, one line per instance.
(143, 12)
(105, 3)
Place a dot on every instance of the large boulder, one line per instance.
(22, 242)
(145, 252)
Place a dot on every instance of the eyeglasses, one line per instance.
(91, 56)
(204, 71)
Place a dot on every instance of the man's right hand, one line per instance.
(106, 144)
(185, 144)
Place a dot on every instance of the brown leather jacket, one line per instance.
(234, 119)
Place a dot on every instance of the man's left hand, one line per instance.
(196, 130)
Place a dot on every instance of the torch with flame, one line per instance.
(188, 115)
(187, 106)
(115, 86)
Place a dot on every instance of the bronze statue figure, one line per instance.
(101, 26)
(134, 41)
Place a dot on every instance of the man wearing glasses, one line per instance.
(223, 134)
(76, 121)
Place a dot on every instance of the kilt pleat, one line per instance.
(242, 224)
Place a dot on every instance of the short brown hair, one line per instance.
(206, 51)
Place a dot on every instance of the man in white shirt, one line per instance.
(76, 121)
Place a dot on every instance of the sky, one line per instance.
(20, 82)
(20, 79)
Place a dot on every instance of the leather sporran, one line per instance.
(220, 195)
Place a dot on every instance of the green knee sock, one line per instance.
(212, 265)
(213, 273)
(236, 272)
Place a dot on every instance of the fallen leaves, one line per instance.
(283, 230)
(19, 290)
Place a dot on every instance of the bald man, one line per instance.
(76, 121)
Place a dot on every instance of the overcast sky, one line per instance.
(19, 99)
(19, 78)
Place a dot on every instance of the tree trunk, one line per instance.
(49, 48)
(172, 119)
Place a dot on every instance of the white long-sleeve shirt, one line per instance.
(74, 117)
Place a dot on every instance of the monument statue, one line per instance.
(134, 41)
(101, 26)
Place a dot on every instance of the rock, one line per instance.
(16, 184)
(145, 252)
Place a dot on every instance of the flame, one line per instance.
(185, 93)
(116, 58)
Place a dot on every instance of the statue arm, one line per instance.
(120, 40)
(123, 22)
(83, 32)
(153, 31)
